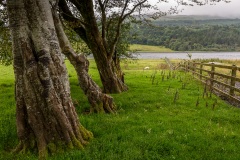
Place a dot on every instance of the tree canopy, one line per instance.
(5, 38)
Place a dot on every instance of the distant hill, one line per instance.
(195, 20)
(191, 17)
(189, 33)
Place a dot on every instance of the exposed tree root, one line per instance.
(54, 147)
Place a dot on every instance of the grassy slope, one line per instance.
(149, 125)
(148, 48)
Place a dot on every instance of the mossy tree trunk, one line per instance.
(46, 117)
(100, 102)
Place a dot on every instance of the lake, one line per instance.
(183, 55)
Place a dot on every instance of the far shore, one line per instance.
(187, 55)
(138, 48)
(185, 51)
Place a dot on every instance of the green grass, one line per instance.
(148, 48)
(149, 124)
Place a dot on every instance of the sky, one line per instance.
(231, 10)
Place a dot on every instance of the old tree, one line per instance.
(99, 102)
(46, 117)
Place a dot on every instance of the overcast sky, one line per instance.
(231, 9)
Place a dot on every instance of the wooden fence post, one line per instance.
(212, 76)
(200, 71)
(233, 80)
(185, 66)
(193, 68)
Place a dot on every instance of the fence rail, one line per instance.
(219, 77)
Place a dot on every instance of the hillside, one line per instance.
(192, 17)
(195, 20)
(190, 33)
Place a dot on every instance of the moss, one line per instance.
(85, 133)
(100, 108)
(77, 143)
(43, 154)
(52, 147)
(22, 147)
(61, 146)
(70, 145)
(32, 141)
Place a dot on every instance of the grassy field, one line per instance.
(162, 116)
(148, 48)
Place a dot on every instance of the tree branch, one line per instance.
(133, 9)
(104, 22)
(121, 19)
(75, 23)
(105, 3)
(117, 35)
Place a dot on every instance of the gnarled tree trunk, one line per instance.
(100, 102)
(96, 42)
(109, 77)
(46, 117)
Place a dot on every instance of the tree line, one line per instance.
(188, 35)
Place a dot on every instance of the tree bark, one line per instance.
(89, 32)
(46, 117)
(117, 67)
(109, 78)
(100, 102)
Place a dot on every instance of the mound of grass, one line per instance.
(148, 48)
(163, 116)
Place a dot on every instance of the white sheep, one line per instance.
(145, 68)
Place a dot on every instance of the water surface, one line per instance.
(198, 55)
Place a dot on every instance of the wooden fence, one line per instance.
(219, 77)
